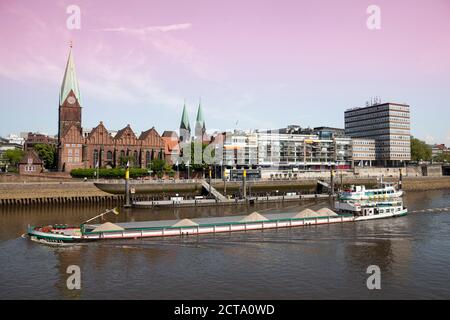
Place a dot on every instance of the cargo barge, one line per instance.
(146, 229)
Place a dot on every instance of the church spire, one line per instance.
(185, 128)
(200, 117)
(185, 120)
(70, 81)
(200, 127)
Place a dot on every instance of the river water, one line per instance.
(320, 262)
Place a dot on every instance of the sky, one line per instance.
(255, 64)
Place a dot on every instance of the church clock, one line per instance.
(71, 100)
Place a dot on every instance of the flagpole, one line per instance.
(97, 165)
(127, 185)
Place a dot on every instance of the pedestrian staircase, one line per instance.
(220, 197)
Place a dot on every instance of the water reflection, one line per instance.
(312, 262)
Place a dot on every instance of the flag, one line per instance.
(127, 170)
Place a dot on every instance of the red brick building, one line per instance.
(171, 146)
(30, 163)
(38, 138)
(99, 147)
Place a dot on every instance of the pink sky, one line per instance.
(241, 57)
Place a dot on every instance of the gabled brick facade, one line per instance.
(99, 147)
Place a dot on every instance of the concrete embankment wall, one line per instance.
(54, 193)
(426, 183)
(45, 177)
(87, 192)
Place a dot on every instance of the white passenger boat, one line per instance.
(387, 191)
(368, 210)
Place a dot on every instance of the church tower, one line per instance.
(185, 128)
(69, 99)
(71, 148)
(200, 127)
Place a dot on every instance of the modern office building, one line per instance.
(363, 152)
(389, 125)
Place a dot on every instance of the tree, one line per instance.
(420, 150)
(161, 167)
(47, 153)
(198, 166)
(14, 156)
(123, 160)
(168, 169)
(443, 157)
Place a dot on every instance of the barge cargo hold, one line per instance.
(165, 228)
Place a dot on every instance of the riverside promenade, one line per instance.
(77, 191)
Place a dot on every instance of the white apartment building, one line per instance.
(15, 139)
(240, 149)
(282, 150)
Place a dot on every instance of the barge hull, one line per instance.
(236, 226)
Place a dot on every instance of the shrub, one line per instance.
(116, 173)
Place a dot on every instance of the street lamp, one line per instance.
(187, 164)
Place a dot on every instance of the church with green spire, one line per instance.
(97, 148)
(69, 99)
(200, 126)
(185, 127)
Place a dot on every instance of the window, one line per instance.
(136, 157)
(95, 157)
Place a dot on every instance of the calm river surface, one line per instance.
(318, 262)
